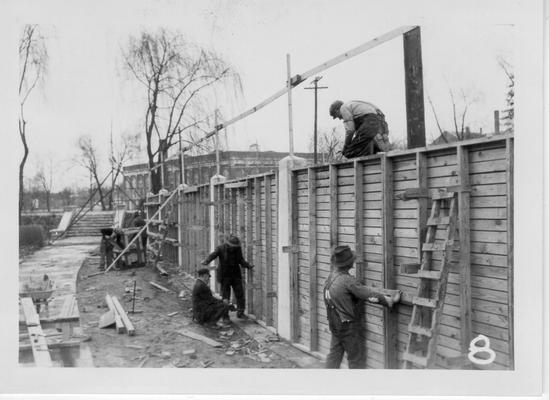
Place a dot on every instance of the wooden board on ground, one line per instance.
(120, 328)
(38, 340)
(197, 336)
(125, 319)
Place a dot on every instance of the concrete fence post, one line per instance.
(216, 179)
(180, 205)
(285, 167)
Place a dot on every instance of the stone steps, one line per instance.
(91, 224)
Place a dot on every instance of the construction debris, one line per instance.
(125, 319)
(120, 328)
(197, 336)
(156, 285)
(134, 346)
(173, 313)
(142, 363)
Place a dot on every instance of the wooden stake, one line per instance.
(290, 117)
(391, 323)
(464, 249)
(313, 273)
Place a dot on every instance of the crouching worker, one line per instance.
(229, 273)
(343, 295)
(206, 308)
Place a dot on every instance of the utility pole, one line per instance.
(316, 87)
(217, 160)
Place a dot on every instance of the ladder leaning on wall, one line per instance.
(423, 329)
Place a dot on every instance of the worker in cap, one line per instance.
(206, 308)
(366, 131)
(343, 295)
(229, 273)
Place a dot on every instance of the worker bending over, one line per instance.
(366, 131)
(343, 295)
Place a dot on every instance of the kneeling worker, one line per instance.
(366, 131)
(206, 308)
(342, 297)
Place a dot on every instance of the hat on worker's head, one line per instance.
(334, 108)
(343, 257)
(232, 241)
(203, 271)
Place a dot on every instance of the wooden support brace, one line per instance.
(464, 249)
(294, 278)
(390, 318)
(509, 157)
(313, 273)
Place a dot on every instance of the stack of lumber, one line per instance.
(121, 319)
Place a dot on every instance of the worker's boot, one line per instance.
(382, 142)
(240, 314)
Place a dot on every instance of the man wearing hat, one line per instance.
(206, 308)
(342, 297)
(366, 131)
(229, 274)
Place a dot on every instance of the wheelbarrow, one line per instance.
(39, 294)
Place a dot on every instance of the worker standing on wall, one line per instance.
(229, 274)
(366, 131)
(342, 297)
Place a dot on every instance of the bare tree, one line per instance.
(126, 150)
(33, 60)
(44, 180)
(509, 112)
(88, 158)
(329, 145)
(460, 108)
(180, 78)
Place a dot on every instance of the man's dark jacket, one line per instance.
(230, 260)
(204, 304)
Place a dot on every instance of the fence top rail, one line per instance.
(247, 177)
(398, 153)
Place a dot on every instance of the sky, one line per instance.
(87, 90)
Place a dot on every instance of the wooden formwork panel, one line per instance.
(490, 262)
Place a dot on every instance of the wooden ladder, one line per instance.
(427, 305)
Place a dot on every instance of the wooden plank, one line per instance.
(413, 78)
(424, 302)
(236, 185)
(39, 343)
(125, 320)
(156, 285)
(333, 206)
(359, 236)
(294, 278)
(464, 249)
(313, 280)
(120, 328)
(390, 318)
(31, 316)
(509, 157)
(197, 336)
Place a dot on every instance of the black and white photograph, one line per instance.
(240, 197)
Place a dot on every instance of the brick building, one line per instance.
(199, 170)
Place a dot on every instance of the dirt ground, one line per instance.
(157, 342)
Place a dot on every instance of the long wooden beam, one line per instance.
(464, 249)
(268, 300)
(389, 282)
(313, 273)
(38, 340)
(296, 80)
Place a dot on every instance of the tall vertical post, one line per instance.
(181, 162)
(496, 122)
(217, 161)
(413, 80)
(315, 133)
(290, 115)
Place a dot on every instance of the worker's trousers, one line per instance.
(236, 284)
(363, 141)
(347, 337)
